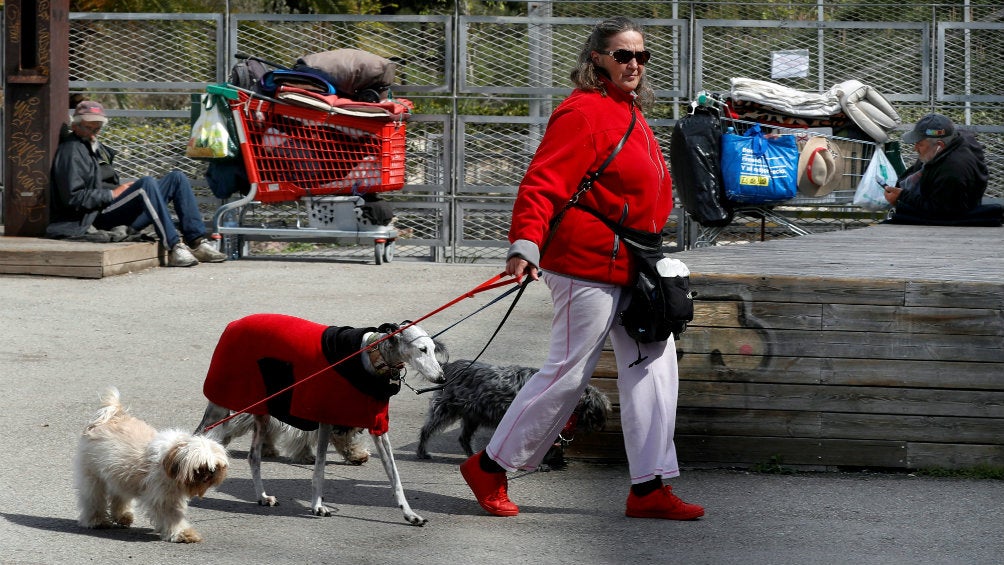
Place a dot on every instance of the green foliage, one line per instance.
(488, 106)
(359, 7)
(148, 6)
(773, 466)
(296, 246)
(356, 7)
(982, 471)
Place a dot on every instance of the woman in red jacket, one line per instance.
(588, 270)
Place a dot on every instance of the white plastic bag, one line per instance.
(870, 194)
(211, 137)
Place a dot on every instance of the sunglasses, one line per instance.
(623, 56)
(93, 130)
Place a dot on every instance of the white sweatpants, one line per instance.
(584, 313)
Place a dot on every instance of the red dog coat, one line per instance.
(262, 354)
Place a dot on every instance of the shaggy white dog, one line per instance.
(122, 458)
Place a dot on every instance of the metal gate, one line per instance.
(484, 86)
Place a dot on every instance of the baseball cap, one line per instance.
(931, 125)
(89, 111)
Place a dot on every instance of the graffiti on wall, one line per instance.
(27, 88)
(27, 157)
(736, 340)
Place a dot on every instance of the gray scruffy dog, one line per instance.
(479, 394)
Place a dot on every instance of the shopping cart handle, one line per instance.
(223, 90)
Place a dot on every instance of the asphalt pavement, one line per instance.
(151, 334)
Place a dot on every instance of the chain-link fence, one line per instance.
(484, 86)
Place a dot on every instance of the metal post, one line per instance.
(821, 47)
(541, 64)
(967, 12)
(36, 96)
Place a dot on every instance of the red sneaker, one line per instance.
(661, 504)
(489, 488)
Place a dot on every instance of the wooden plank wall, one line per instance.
(837, 370)
(39, 256)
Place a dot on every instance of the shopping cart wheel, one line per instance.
(388, 252)
(383, 251)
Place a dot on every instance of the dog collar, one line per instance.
(380, 365)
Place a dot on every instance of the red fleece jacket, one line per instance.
(635, 189)
(261, 354)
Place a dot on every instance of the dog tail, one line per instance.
(111, 406)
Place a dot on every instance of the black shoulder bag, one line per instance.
(661, 303)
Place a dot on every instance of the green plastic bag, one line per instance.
(213, 131)
(893, 152)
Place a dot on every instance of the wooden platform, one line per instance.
(877, 347)
(38, 256)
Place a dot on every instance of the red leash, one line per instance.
(489, 284)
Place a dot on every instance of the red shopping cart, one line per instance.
(320, 151)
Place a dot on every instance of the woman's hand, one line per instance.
(517, 266)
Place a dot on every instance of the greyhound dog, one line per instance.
(266, 364)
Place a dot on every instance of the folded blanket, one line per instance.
(864, 105)
(765, 115)
(395, 109)
(785, 99)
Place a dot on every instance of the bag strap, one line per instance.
(587, 182)
(639, 241)
(584, 186)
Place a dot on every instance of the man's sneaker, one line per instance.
(181, 256)
(489, 488)
(661, 504)
(206, 253)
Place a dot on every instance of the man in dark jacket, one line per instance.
(947, 182)
(87, 194)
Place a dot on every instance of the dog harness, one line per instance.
(261, 354)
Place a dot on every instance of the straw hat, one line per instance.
(820, 167)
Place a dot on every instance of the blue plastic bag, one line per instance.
(757, 169)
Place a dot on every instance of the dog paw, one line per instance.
(423, 455)
(188, 535)
(268, 501)
(322, 511)
(415, 520)
(125, 520)
(358, 458)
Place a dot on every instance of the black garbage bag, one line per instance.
(226, 177)
(695, 166)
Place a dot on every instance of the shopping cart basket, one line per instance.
(324, 158)
(787, 216)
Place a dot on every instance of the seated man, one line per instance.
(946, 184)
(86, 192)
